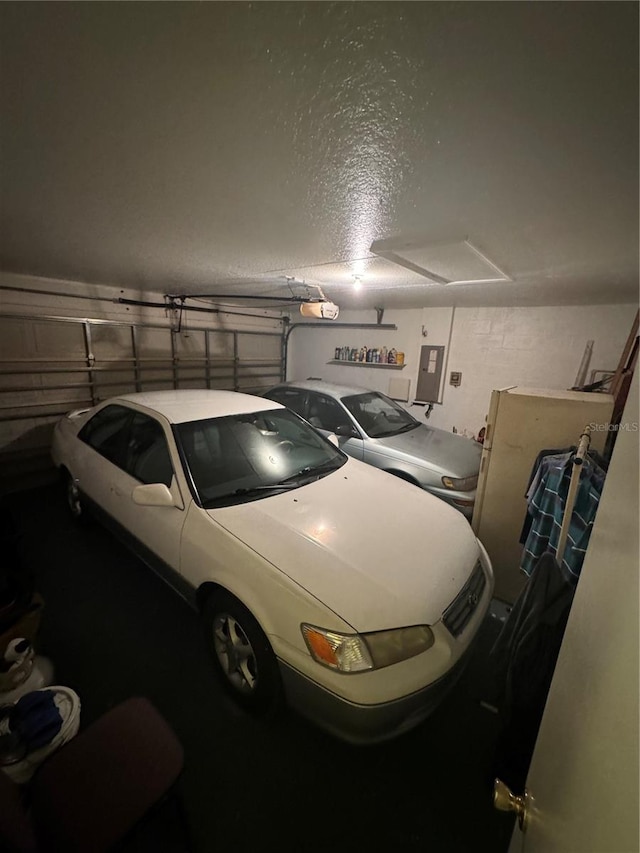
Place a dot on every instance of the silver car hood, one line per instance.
(436, 449)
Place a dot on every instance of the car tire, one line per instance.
(75, 505)
(241, 653)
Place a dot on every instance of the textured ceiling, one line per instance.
(220, 147)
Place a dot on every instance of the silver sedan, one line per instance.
(375, 429)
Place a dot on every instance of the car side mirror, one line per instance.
(346, 431)
(154, 494)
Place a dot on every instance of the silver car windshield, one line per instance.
(379, 416)
(250, 456)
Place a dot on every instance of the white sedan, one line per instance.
(320, 579)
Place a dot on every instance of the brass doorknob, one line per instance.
(506, 801)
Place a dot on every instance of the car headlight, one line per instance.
(360, 652)
(464, 484)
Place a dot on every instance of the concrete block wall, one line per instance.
(539, 347)
(493, 347)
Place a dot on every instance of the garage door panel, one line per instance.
(38, 379)
(31, 341)
(157, 381)
(59, 340)
(39, 396)
(153, 343)
(16, 340)
(221, 345)
(111, 342)
(258, 346)
(192, 376)
(49, 366)
(111, 382)
(191, 344)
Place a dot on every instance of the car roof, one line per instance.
(183, 405)
(329, 388)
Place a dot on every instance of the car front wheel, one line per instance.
(74, 501)
(241, 654)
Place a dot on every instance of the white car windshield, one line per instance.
(245, 457)
(379, 416)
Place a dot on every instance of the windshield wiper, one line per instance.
(237, 495)
(264, 487)
(407, 427)
(293, 482)
(314, 471)
(389, 433)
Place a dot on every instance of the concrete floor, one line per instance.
(114, 630)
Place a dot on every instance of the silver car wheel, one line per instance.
(73, 498)
(235, 653)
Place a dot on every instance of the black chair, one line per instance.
(94, 791)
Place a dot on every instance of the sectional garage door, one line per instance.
(49, 365)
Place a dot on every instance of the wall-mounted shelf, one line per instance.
(347, 363)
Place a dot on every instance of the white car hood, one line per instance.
(379, 552)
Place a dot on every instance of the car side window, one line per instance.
(325, 413)
(292, 398)
(107, 431)
(147, 456)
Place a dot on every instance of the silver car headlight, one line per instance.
(360, 652)
(464, 484)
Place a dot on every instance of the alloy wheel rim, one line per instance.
(73, 498)
(235, 653)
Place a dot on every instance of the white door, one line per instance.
(583, 778)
